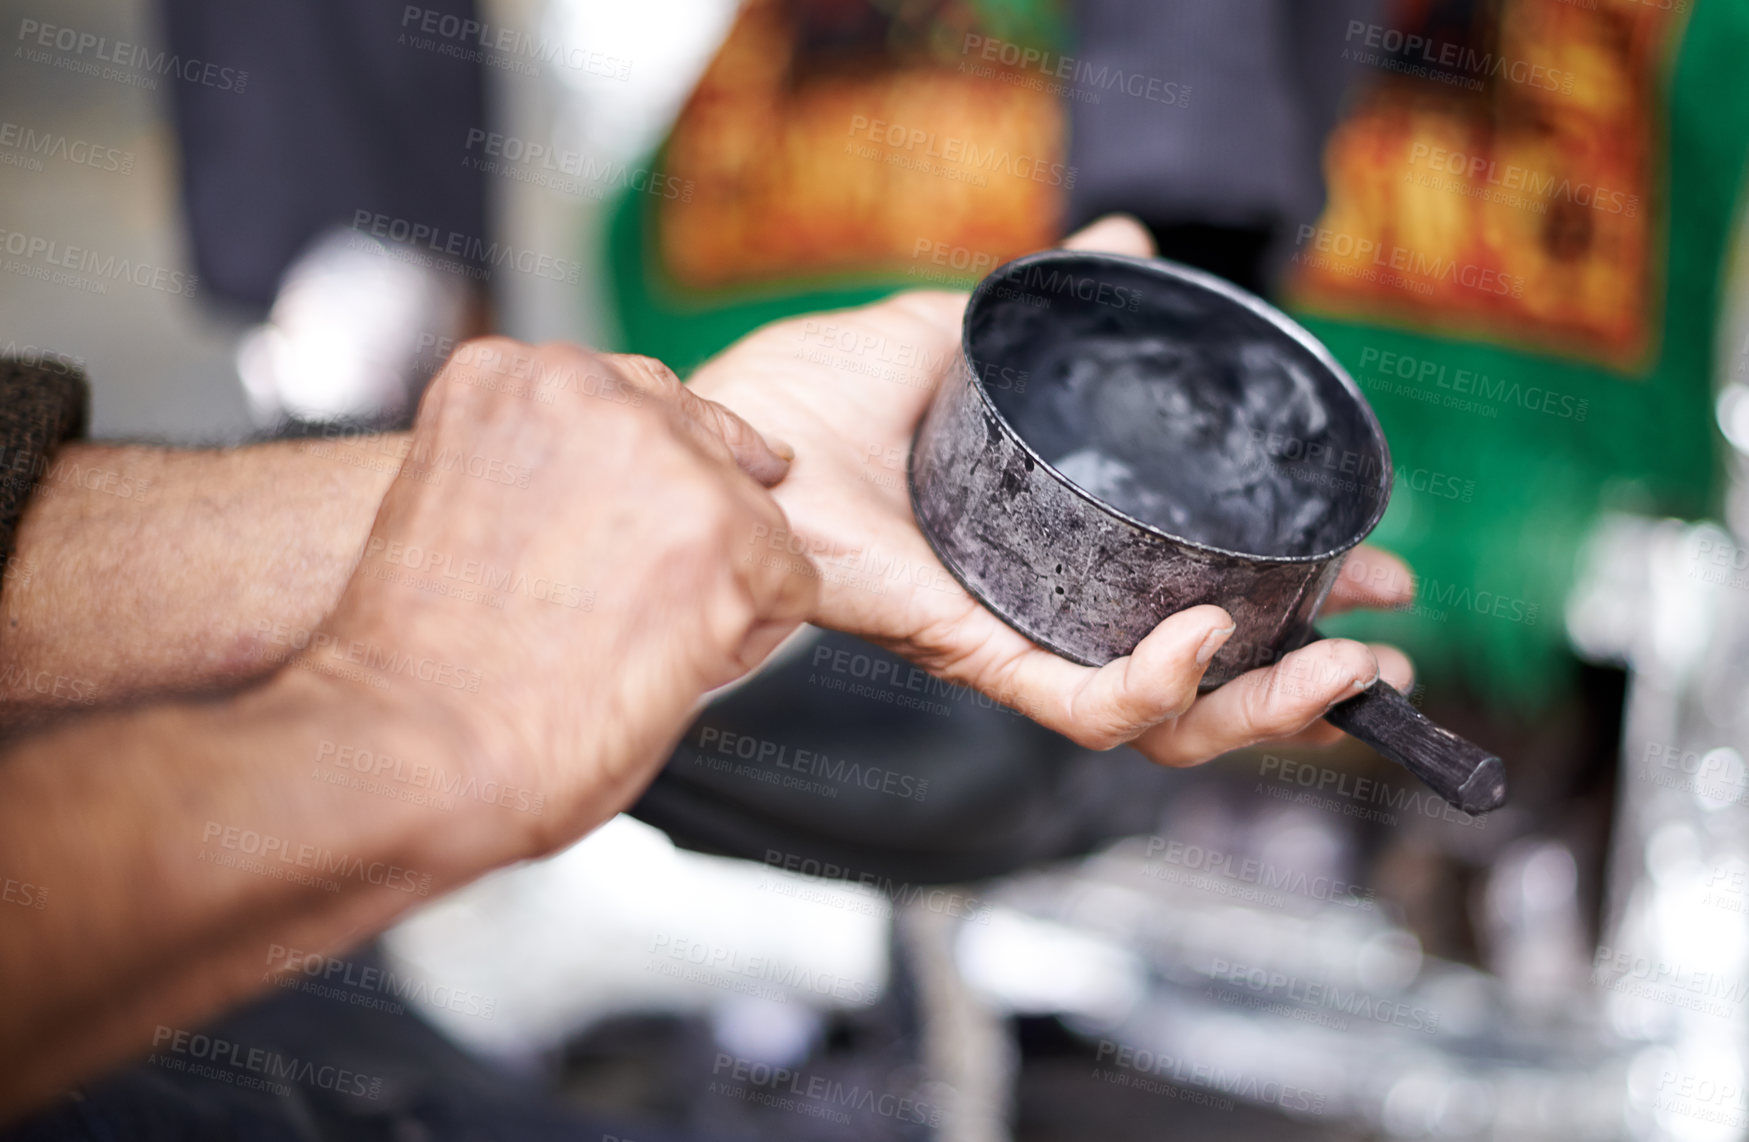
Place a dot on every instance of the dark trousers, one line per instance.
(330, 108)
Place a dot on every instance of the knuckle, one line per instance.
(1302, 685)
(1099, 731)
(480, 356)
(707, 436)
(1323, 666)
(730, 427)
(645, 374)
(560, 353)
(1259, 708)
(455, 392)
(564, 365)
(488, 352)
(649, 369)
(1087, 737)
(1349, 661)
(1122, 724)
(1104, 740)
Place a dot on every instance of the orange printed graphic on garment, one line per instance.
(1503, 187)
(908, 162)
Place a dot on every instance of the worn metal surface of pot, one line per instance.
(1063, 355)
(1123, 438)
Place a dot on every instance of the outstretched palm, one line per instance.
(846, 390)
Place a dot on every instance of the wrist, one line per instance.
(418, 762)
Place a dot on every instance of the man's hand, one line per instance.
(847, 391)
(595, 580)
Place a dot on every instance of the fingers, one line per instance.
(1105, 707)
(940, 311)
(1394, 668)
(1272, 702)
(767, 461)
(647, 373)
(1371, 578)
(784, 587)
(1113, 234)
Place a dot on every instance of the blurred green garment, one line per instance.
(846, 228)
(1536, 320)
(1520, 262)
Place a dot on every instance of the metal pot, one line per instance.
(1123, 438)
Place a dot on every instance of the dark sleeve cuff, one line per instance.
(43, 401)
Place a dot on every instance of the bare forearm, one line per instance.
(143, 570)
(153, 857)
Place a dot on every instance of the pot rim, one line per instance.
(1165, 268)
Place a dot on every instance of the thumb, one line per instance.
(1113, 234)
(766, 460)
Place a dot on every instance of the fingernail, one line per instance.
(1215, 640)
(1354, 687)
(780, 447)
